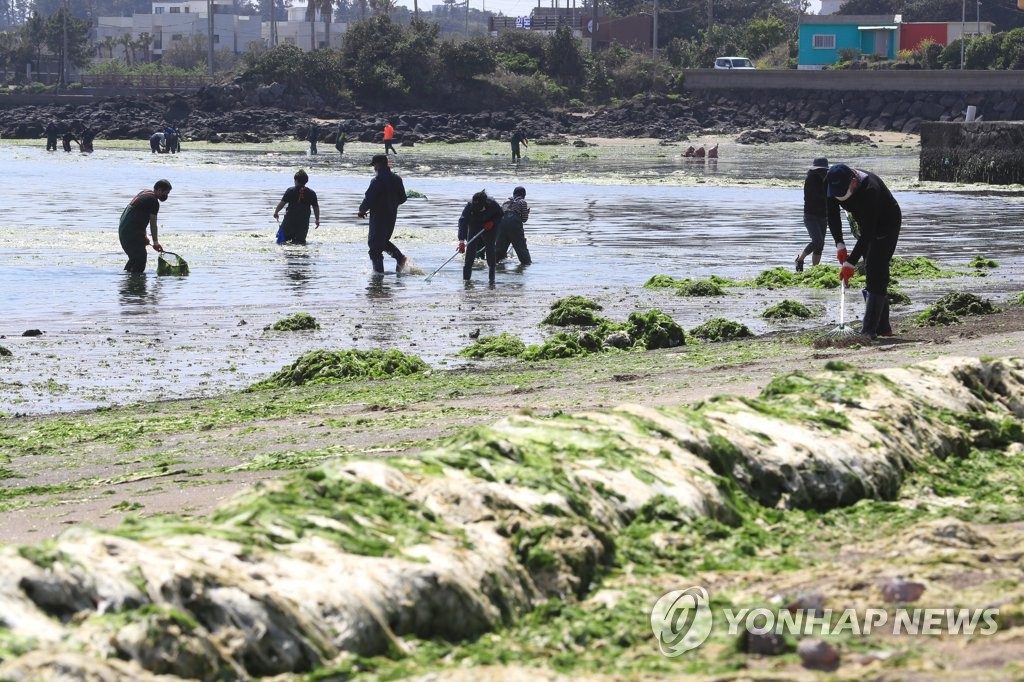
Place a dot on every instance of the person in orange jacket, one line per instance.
(389, 136)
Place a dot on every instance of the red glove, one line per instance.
(841, 252)
(462, 247)
(489, 225)
(846, 272)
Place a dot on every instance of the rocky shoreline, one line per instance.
(227, 114)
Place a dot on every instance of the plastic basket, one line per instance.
(165, 266)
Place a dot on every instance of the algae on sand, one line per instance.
(503, 345)
(295, 322)
(948, 309)
(721, 329)
(786, 309)
(327, 367)
(573, 310)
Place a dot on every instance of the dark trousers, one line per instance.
(816, 227)
(312, 147)
(510, 231)
(487, 241)
(379, 242)
(135, 249)
(388, 146)
(51, 143)
(515, 153)
(295, 231)
(876, 265)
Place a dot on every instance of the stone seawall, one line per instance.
(990, 152)
(904, 111)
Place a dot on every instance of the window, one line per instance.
(216, 38)
(824, 41)
(175, 10)
(158, 10)
(176, 36)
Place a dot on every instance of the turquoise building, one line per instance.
(823, 36)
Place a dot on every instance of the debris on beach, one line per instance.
(294, 323)
(787, 309)
(334, 366)
(949, 308)
(573, 310)
(503, 345)
(721, 329)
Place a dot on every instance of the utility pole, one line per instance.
(209, 28)
(963, 17)
(593, 29)
(273, 23)
(467, 17)
(64, 47)
(711, 15)
(654, 46)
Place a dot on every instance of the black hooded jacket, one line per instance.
(875, 210)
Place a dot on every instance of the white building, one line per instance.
(174, 21)
(296, 30)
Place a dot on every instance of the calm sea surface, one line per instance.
(603, 221)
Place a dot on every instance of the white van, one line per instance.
(734, 63)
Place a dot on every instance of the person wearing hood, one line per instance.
(510, 230)
(383, 197)
(872, 205)
(478, 223)
(815, 220)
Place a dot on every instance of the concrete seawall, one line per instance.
(989, 152)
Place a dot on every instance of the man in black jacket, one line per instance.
(383, 197)
(478, 223)
(814, 212)
(872, 205)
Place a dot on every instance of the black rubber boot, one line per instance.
(873, 313)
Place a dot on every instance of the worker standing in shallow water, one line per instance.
(517, 139)
(873, 206)
(51, 136)
(815, 219)
(383, 197)
(389, 136)
(478, 223)
(510, 231)
(140, 212)
(300, 200)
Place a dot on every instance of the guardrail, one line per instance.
(867, 80)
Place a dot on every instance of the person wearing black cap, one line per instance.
(814, 212)
(510, 229)
(383, 197)
(479, 221)
(873, 206)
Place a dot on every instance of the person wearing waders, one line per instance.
(389, 138)
(339, 141)
(68, 138)
(300, 200)
(814, 212)
(872, 205)
(88, 135)
(140, 212)
(478, 223)
(51, 136)
(510, 229)
(156, 141)
(517, 139)
(313, 137)
(383, 197)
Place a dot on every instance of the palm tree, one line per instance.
(311, 6)
(144, 41)
(129, 48)
(109, 42)
(381, 7)
(327, 12)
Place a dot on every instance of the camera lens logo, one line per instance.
(681, 620)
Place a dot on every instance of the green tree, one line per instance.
(983, 52)
(368, 56)
(760, 35)
(1013, 49)
(564, 60)
(463, 61)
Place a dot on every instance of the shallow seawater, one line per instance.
(603, 221)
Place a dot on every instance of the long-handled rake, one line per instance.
(842, 330)
(457, 252)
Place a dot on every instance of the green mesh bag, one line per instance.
(165, 266)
